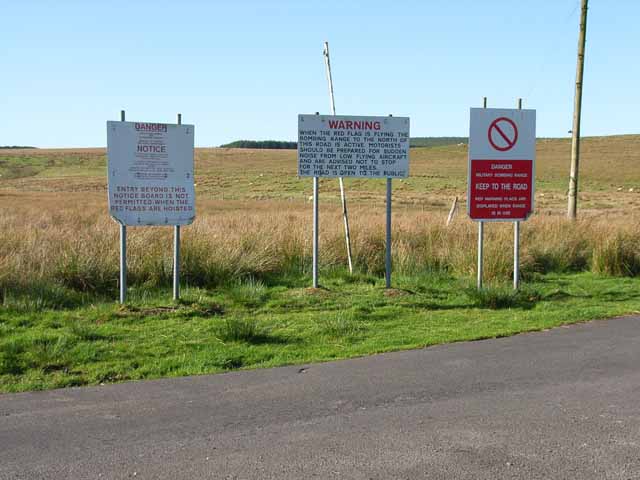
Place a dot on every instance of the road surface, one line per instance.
(559, 404)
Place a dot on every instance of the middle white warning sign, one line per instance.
(353, 146)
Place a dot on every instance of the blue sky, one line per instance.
(244, 69)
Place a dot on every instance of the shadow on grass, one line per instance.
(606, 296)
(615, 296)
(427, 305)
(87, 332)
(230, 361)
(38, 297)
(184, 308)
(563, 295)
(291, 279)
(248, 330)
(497, 298)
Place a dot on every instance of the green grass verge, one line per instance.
(49, 342)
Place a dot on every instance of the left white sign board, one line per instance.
(150, 172)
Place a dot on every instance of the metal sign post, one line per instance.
(480, 233)
(176, 250)
(516, 241)
(316, 232)
(516, 254)
(480, 254)
(343, 197)
(387, 260)
(387, 270)
(123, 249)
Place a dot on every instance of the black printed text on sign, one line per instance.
(501, 180)
(150, 173)
(350, 146)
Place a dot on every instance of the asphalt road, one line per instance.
(559, 404)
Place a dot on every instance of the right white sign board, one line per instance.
(502, 152)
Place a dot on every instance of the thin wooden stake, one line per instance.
(452, 212)
(343, 196)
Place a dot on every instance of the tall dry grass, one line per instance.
(77, 248)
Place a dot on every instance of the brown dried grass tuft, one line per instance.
(77, 246)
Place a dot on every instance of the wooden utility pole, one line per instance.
(577, 108)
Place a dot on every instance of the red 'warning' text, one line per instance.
(354, 125)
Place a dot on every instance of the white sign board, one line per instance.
(150, 173)
(502, 134)
(502, 152)
(349, 146)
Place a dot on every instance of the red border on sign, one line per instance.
(510, 143)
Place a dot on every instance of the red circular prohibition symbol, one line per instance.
(509, 140)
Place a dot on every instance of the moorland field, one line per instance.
(247, 258)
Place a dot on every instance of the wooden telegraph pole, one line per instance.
(577, 108)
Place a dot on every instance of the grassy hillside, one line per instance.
(609, 169)
(246, 263)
